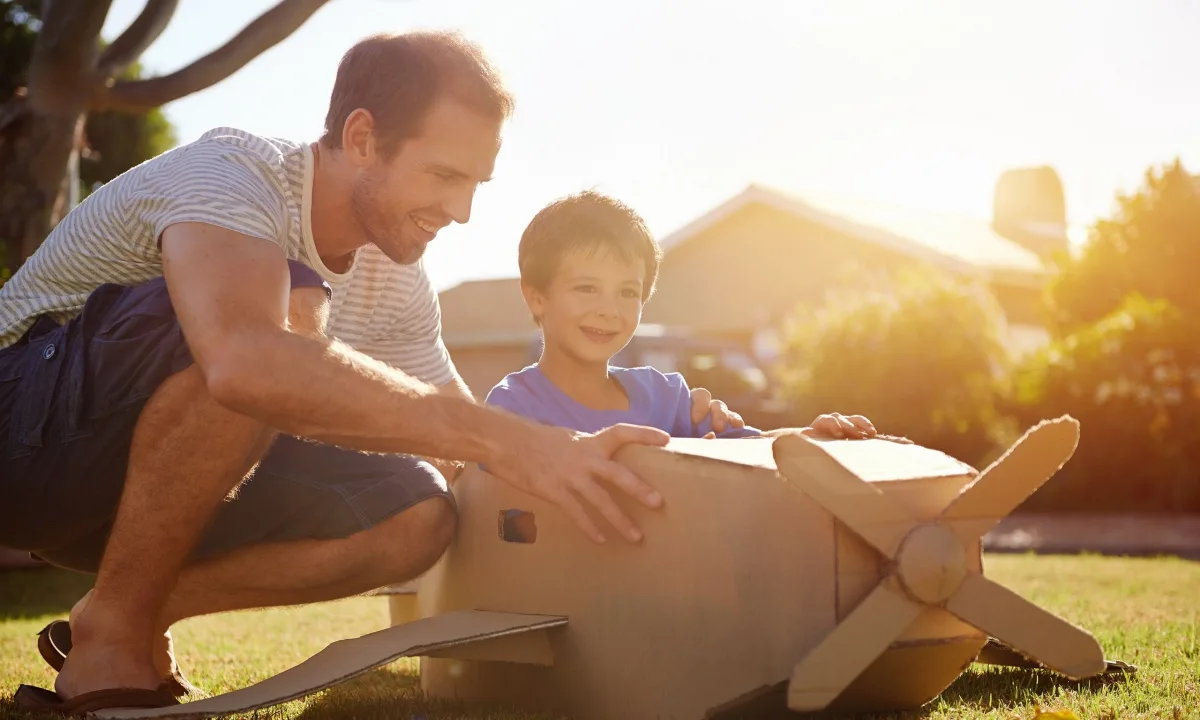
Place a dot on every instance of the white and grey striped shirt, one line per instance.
(258, 186)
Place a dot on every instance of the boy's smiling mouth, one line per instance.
(597, 335)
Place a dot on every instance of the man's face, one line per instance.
(400, 204)
(592, 306)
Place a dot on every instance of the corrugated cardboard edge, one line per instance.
(345, 659)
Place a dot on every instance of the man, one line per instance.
(166, 349)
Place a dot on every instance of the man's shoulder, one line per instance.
(274, 152)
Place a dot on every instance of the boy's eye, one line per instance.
(630, 294)
(585, 288)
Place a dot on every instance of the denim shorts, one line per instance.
(70, 396)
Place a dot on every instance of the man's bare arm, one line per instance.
(231, 294)
(456, 387)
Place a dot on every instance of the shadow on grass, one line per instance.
(981, 690)
(34, 592)
(385, 694)
(1003, 687)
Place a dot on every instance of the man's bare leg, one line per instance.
(306, 571)
(187, 453)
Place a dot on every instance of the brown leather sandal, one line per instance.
(54, 642)
(39, 699)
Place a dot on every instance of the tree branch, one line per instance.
(256, 38)
(141, 34)
(64, 54)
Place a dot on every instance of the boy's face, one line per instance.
(592, 305)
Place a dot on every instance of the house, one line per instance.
(734, 275)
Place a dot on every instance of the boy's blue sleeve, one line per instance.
(503, 397)
(683, 414)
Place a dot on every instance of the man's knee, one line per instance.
(414, 539)
(308, 311)
(434, 522)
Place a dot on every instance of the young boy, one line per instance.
(588, 265)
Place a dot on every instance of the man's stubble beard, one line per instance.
(371, 221)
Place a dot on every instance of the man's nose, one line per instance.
(458, 205)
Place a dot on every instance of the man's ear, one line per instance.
(358, 137)
(534, 300)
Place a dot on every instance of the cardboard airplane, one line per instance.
(846, 573)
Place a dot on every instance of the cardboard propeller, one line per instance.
(927, 564)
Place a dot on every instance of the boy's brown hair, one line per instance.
(586, 221)
(397, 77)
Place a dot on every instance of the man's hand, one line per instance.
(722, 417)
(836, 425)
(570, 469)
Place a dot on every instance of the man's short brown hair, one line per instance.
(586, 221)
(397, 77)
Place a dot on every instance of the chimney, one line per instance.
(1030, 209)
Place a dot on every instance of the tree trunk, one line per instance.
(34, 151)
(38, 128)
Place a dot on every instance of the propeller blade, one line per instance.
(1015, 476)
(1027, 628)
(850, 649)
(861, 506)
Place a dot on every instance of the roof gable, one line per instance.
(957, 243)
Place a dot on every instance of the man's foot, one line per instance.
(106, 654)
(163, 654)
(102, 665)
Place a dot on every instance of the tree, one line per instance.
(922, 359)
(1125, 357)
(1150, 246)
(114, 141)
(70, 75)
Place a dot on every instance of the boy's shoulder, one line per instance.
(652, 378)
(512, 386)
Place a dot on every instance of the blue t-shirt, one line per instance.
(655, 400)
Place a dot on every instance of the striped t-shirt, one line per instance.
(261, 187)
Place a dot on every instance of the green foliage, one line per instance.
(1132, 379)
(922, 360)
(1150, 246)
(1125, 359)
(19, 25)
(118, 141)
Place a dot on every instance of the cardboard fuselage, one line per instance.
(740, 574)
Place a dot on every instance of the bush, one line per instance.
(1132, 379)
(923, 360)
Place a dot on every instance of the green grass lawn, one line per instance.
(1143, 611)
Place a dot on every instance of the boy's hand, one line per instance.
(567, 469)
(836, 425)
(722, 417)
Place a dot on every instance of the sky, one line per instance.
(674, 106)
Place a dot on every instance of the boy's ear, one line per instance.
(534, 300)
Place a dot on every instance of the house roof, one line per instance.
(492, 311)
(480, 311)
(958, 243)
